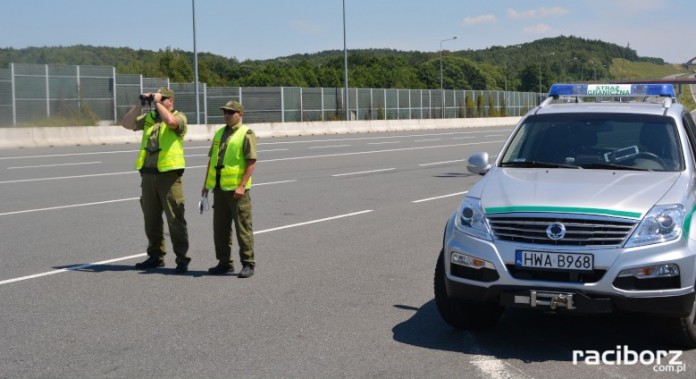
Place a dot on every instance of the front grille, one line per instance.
(580, 230)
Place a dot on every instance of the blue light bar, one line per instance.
(612, 90)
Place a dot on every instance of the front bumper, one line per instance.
(599, 291)
(545, 298)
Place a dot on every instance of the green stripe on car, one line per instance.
(596, 211)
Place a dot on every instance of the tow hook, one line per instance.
(551, 300)
(561, 300)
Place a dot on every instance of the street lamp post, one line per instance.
(345, 64)
(594, 68)
(541, 56)
(195, 62)
(442, 88)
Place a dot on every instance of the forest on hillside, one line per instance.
(524, 67)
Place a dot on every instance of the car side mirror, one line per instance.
(478, 163)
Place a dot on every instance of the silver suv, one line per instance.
(588, 208)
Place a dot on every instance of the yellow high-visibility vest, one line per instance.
(234, 161)
(171, 154)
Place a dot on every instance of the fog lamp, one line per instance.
(469, 261)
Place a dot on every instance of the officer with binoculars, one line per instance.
(161, 165)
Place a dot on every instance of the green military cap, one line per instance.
(166, 92)
(233, 106)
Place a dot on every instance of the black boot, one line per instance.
(151, 262)
(220, 269)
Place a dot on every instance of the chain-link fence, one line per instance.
(32, 92)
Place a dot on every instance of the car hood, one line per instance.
(613, 193)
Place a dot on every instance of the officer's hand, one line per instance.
(239, 192)
(204, 192)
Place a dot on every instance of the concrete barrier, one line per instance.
(16, 137)
(103, 135)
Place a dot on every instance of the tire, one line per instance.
(682, 330)
(460, 314)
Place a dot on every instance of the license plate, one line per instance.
(554, 261)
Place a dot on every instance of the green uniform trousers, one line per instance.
(163, 192)
(227, 210)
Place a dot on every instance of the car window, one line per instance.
(600, 140)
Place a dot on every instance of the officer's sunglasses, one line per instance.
(229, 112)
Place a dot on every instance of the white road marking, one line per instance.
(369, 138)
(486, 362)
(114, 201)
(376, 151)
(439, 197)
(493, 368)
(70, 154)
(82, 266)
(68, 206)
(383, 143)
(68, 177)
(364, 172)
(54, 165)
(269, 183)
(263, 161)
(71, 268)
(312, 222)
(440, 163)
(328, 146)
(258, 144)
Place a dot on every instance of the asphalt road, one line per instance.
(347, 229)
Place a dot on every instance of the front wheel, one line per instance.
(683, 329)
(459, 314)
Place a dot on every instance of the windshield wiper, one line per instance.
(532, 164)
(613, 166)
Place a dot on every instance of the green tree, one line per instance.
(470, 107)
(175, 66)
(480, 107)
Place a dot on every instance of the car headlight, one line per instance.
(663, 223)
(471, 220)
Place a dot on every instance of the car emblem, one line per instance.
(556, 231)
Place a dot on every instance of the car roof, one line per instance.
(657, 109)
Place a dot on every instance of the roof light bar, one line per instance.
(612, 90)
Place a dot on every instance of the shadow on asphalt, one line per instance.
(532, 336)
(453, 175)
(117, 268)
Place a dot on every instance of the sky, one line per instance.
(268, 29)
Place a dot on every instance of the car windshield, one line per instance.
(596, 141)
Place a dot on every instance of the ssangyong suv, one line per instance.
(588, 208)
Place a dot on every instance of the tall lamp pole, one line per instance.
(442, 88)
(541, 56)
(345, 63)
(195, 63)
